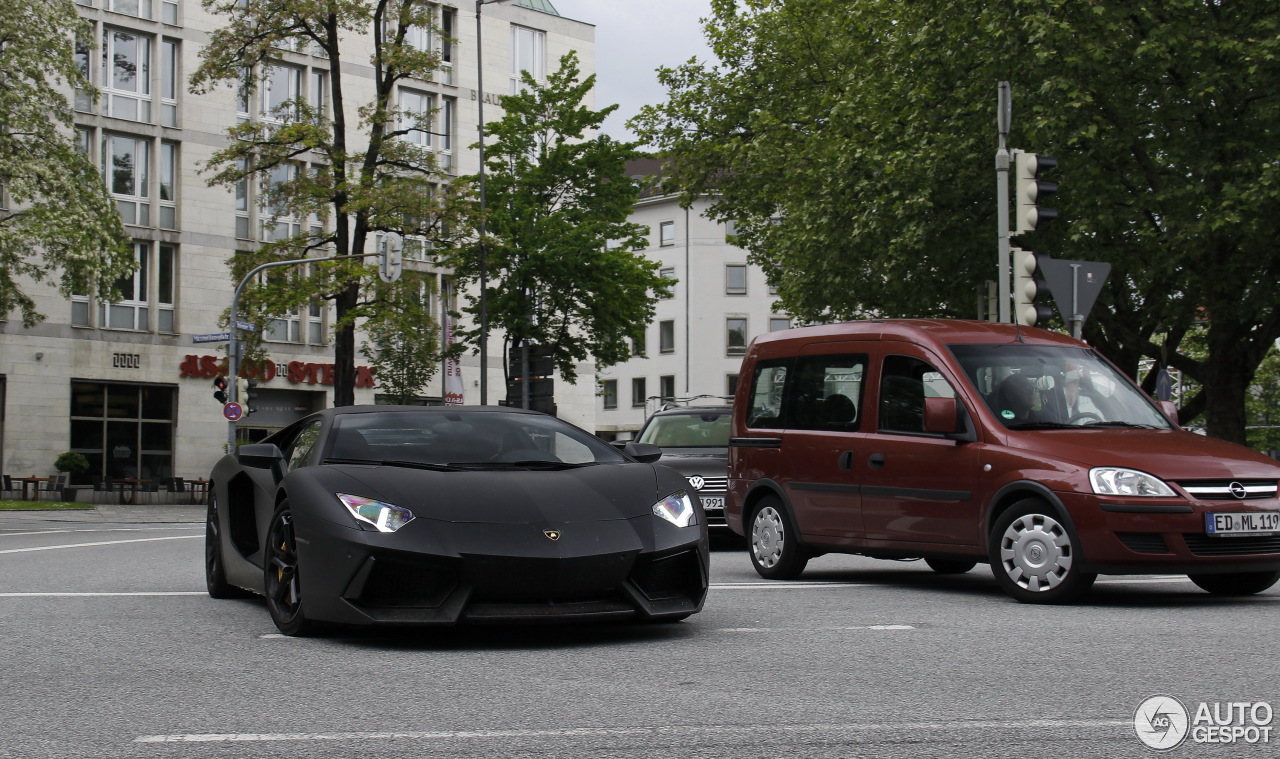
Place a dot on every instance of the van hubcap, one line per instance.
(1036, 553)
(767, 536)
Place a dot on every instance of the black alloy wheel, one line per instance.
(281, 579)
(215, 575)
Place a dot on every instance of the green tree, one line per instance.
(853, 144)
(364, 178)
(560, 253)
(60, 221)
(402, 354)
(1264, 405)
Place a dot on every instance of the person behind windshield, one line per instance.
(1015, 400)
(1079, 407)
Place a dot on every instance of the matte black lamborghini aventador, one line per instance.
(445, 515)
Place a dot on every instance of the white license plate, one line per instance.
(1246, 523)
(712, 501)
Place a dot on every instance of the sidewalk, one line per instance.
(113, 513)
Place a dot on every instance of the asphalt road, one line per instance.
(112, 649)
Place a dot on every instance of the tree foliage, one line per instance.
(402, 353)
(60, 220)
(363, 177)
(853, 144)
(561, 265)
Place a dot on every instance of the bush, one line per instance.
(72, 462)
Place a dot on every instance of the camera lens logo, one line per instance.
(1161, 722)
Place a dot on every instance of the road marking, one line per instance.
(104, 529)
(99, 543)
(608, 732)
(775, 585)
(813, 629)
(103, 594)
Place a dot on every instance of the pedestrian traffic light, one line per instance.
(1027, 288)
(220, 390)
(247, 394)
(1030, 190)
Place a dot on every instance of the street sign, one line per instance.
(245, 327)
(233, 411)
(1075, 286)
(213, 337)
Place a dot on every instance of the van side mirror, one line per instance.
(941, 416)
(1169, 410)
(645, 453)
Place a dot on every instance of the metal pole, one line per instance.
(1077, 318)
(484, 264)
(1004, 115)
(233, 352)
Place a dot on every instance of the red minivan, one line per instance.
(962, 442)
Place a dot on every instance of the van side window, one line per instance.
(767, 384)
(904, 384)
(826, 393)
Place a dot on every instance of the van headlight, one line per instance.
(385, 517)
(677, 509)
(1110, 480)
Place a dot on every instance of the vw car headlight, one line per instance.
(1109, 480)
(384, 516)
(677, 509)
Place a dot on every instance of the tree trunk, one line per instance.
(1227, 375)
(344, 352)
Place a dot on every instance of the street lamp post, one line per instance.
(484, 263)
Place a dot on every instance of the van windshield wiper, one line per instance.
(1127, 425)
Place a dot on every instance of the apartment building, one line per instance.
(128, 384)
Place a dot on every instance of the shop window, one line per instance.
(124, 430)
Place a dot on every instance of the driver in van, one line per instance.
(1079, 407)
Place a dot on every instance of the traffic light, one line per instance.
(220, 390)
(541, 384)
(1030, 190)
(246, 394)
(1027, 288)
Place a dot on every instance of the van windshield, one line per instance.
(1052, 386)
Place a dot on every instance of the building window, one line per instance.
(669, 290)
(169, 82)
(730, 229)
(168, 185)
(735, 279)
(731, 385)
(84, 47)
(138, 8)
(528, 53)
(415, 116)
(637, 346)
(443, 123)
(169, 12)
(735, 341)
(667, 233)
(779, 323)
(166, 287)
(148, 296)
(123, 430)
(667, 336)
(609, 392)
(126, 165)
(131, 311)
(638, 393)
(280, 224)
(667, 387)
(448, 22)
(319, 90)
(126, 75)
(242, 205)
(281, 88)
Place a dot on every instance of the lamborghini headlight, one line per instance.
(384, 516)
(677, 509)
(1110, 480)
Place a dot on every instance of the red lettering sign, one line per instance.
(207, 367)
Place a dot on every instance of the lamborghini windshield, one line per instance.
(435, 438)
(1050, 387)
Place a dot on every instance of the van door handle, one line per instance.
(876, 461)
(846, 460)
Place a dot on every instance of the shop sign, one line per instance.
(297, 372)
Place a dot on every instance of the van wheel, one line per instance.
(950, 566)
(1033, 556)
(775, 548)
(1236, 583)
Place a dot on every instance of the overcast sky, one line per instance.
(634, 38)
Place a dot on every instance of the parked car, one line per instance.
(964, 442)
(390, 515)
(695, 442)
